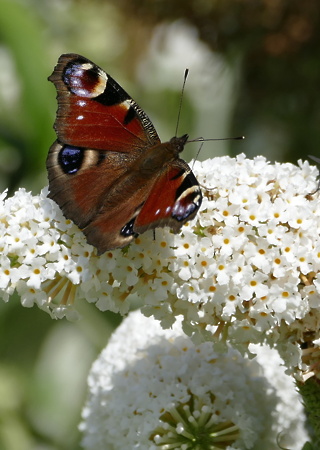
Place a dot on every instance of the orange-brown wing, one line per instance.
(80, 179)
(95, 112)
(171, 198)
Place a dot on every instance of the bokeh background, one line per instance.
(254, 71)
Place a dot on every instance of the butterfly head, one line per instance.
(179, 142)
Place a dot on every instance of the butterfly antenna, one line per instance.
(316, 160)
(186, 72)
(201, 139)
(198, 153)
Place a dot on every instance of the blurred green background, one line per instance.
(254, 71)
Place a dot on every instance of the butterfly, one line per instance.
(108, 170)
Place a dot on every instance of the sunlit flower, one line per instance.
(155, 389)
(245, 270)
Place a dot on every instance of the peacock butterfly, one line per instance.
(108, 170)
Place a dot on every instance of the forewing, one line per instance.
(95, 112)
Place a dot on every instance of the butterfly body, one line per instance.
(108, 170)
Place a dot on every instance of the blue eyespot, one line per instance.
(70, 159)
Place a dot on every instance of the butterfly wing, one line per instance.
(80, 179)
(95, 112)
(108, 170)
(174, 199)
(170, 198)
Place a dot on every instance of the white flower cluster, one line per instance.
(246, 270)
(154, 389)
(42, 254)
